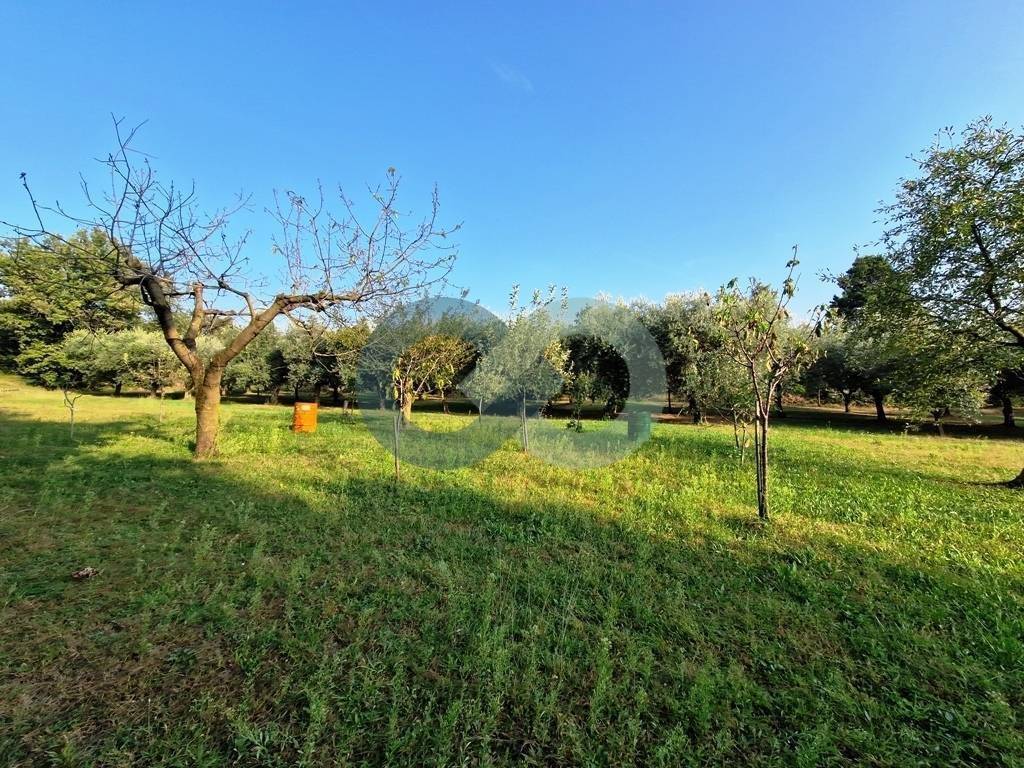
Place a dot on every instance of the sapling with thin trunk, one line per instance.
(757, 337)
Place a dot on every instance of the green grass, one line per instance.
(288, 604)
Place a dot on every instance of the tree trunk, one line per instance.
(70, 403)
(397, 447)
(695, 410)
(847, 399)
(407, 398)
(275, 395)
(761, 459)
(117, 389)
(670, 399)
(1008, 420)
(336, 395)
(317, 390)
(526, 431)
(779, 408)
(879, 399)
(208, 413)
(737, 440)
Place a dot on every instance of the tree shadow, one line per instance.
(825, 418)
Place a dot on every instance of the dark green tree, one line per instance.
(46, 292)
(1009, 385)
(601, 373)
(868, 280)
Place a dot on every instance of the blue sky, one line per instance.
(634, 149)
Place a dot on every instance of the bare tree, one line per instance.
(181, 260)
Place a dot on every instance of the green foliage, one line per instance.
(835, 367)
(48, 291)
(583, 387)
(598, 373)
(258, 367)
(935, 373)
(954, 238)
(141, 359)
(432, 364)
(421, 348)
(678, 328)
(306, 368)
(304, 359)
(83, 360)
(529, 363)
(954, 233)
(868, 282)
(58, 366)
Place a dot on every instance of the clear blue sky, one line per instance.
(633, 148)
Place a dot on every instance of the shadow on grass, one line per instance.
(241, 620)
(825, 418)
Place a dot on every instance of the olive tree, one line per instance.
(529, 363)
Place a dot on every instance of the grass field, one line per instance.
(288, 604)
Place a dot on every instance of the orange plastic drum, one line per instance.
(304, 419)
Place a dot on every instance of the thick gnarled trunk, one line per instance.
(207, 394)
(407, 398)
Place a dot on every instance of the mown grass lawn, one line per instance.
(288, 604)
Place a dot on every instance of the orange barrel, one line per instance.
(304, 418)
